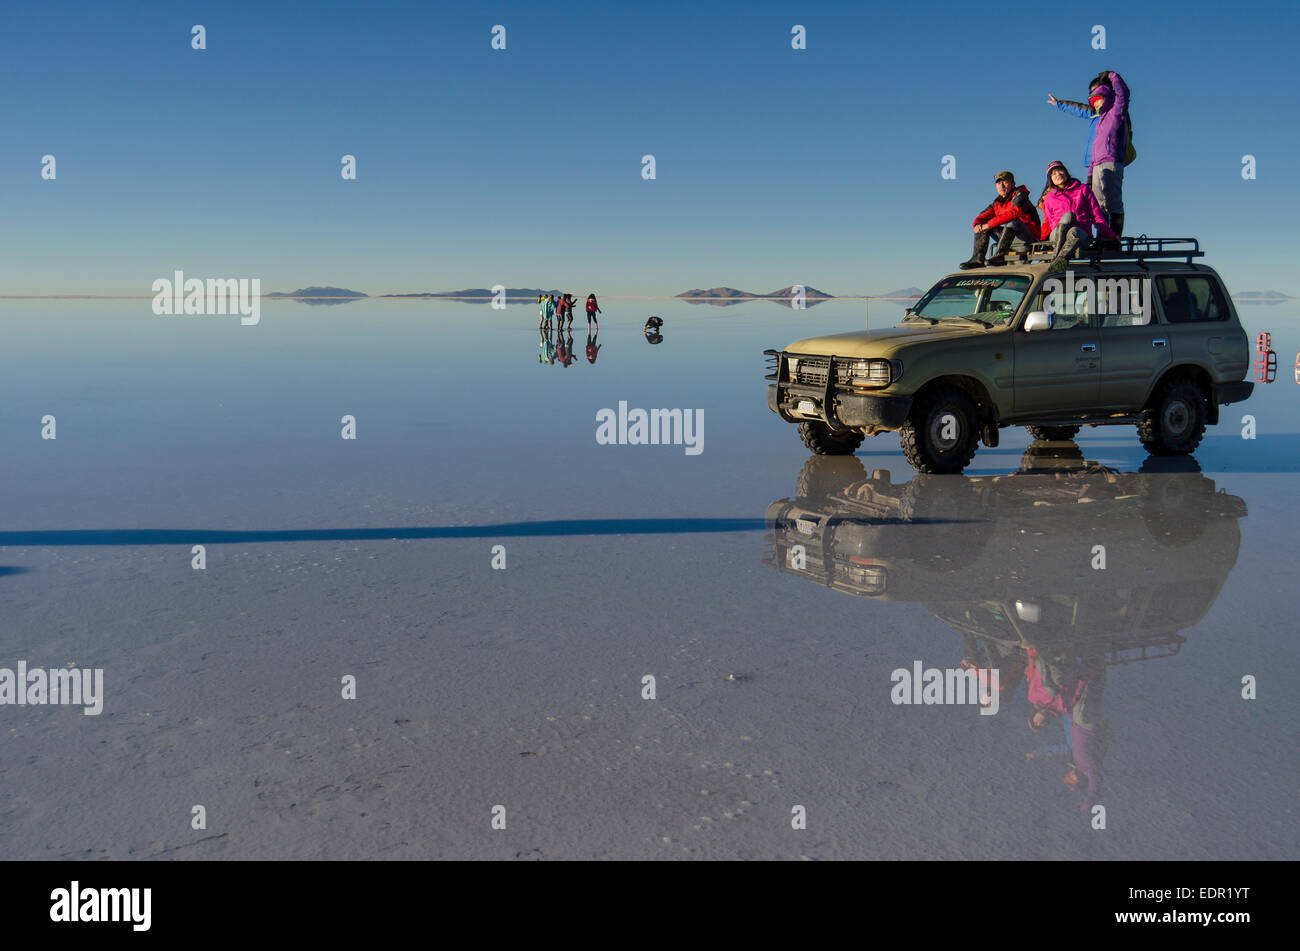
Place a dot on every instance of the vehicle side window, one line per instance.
(1124, 300)
(1191, 299)
(1173, 298)
(1207, 299)
(1069, 311)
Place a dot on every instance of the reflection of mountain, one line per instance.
(722, 296)
(320, 295)
(485, 294)
(903, 292)
(984, 554)
(1261, 297)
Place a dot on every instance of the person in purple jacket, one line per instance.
(1106, 173)
(1108, 141)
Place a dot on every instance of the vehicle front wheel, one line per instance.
(942, 432)
(1176, 421)
(818, 437)
(1054, 433)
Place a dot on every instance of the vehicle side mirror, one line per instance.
(1028, 611)
(1038, 320)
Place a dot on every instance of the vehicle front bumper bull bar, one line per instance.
(839, 410)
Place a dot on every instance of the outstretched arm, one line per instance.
(1121, 92)
(1080, 109)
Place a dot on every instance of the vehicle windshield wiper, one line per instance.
(976, 320)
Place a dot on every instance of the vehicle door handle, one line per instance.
(1088, 347)
(1160, 342)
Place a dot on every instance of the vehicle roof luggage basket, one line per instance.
(1137, 249)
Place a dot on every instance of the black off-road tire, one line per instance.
(1054, 433)
(1176, 421)
(819, 438)
(922, 434)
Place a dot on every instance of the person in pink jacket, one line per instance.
(1070, 213)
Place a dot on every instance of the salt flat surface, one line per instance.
(522, 687)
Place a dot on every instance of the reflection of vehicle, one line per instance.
(1144, 336)
(1014, 557)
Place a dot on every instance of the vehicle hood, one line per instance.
(884, 342)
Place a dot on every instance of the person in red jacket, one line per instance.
(1011, 215)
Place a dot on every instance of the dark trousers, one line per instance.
(1006, 236)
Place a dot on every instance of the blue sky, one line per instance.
(522, 167)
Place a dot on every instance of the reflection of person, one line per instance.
(1009, 216)
(564, 347)
(1070, 212)
(547, 345)
(593, 348)
(1058, 688)
(987, 654)
(651, 329)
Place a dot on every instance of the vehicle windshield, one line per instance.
(991, 300)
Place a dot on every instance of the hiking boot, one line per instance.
(967, 265)
(1058, 265)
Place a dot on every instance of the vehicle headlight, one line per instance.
(874, 373)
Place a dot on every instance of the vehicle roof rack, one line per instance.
(1137, 249)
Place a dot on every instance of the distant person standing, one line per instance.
(541, 310)
(550, 307)
(592, 310)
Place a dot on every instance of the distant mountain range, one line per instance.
(512, 293)
(341, 295)
(320, 295)
(723, 296)
(718, 296)
(1261, 297)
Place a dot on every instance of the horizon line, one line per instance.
(424, 297)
